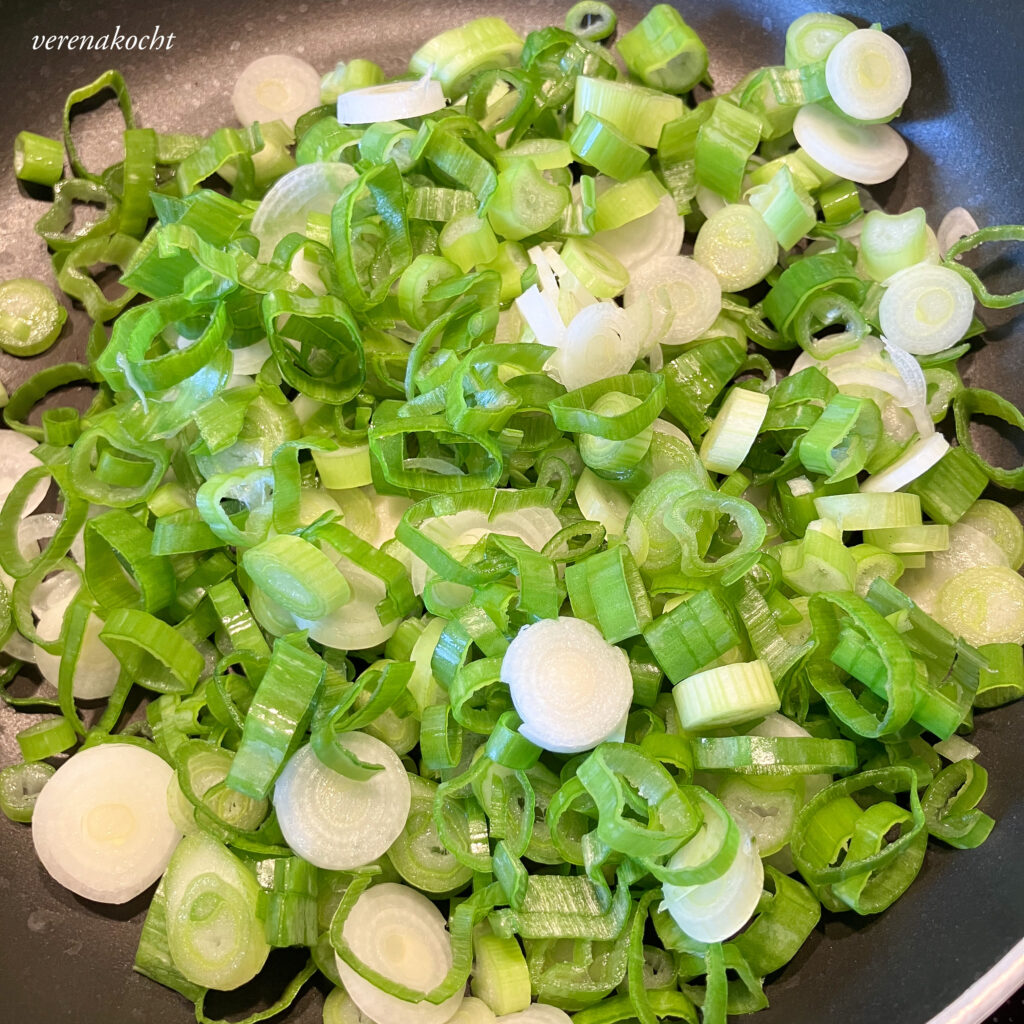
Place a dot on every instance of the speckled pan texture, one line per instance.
(62, 959)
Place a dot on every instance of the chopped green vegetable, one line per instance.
(462, 531)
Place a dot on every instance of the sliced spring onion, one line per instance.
(811, 37)
(664, 52)
(31, 318)
(453, 57)
(500, 975)
(38, 158)
(734, 430)
(601, 502)
(110, 799)
(337, 822)
(636, 242)
(297, 575)
(278, 87)
(737, 246)
(957, 224)
(785, 206)
(921, 456)
(878, 510)
(865, 153)
(1001, 524)
(392, 101)
(599, 343)
(569, 685)
(890, 243)
(714, 910)
(868, 75)
(400, 935)
(685, 297)
(20, 786)
(214, 934)
(725, 695)
(601, 145)
(984, 605)
(638, 113)
(16, 459)
(312, 188)
(926, 309)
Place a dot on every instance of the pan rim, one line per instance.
(988, 993)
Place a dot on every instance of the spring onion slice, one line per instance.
(866, 511)
(1000, 523)
(868, 75)
(725, 695)
(921, 456)
(926, 309)
(569, 685)
(865, 153)
(38, 158)
(714, 910)
(637, 241)
(956, 225)
(984, 605)
(684, 297)
(399, 935)
(278, 715)
(501, 977)
(276, 87)
(737, 246)
(312, 800)
(972, 402)
(734, 430)
(20, 786)
(213, 932)
(311, 188)
(664, 52)
(599, 344)
(637, 112)
(111, 799)
(392, 101)
(811, 37)
(285, 566)
(31, 318)
(892, 242)
(17, 458)
(455, 56)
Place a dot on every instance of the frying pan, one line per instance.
(65, 959)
